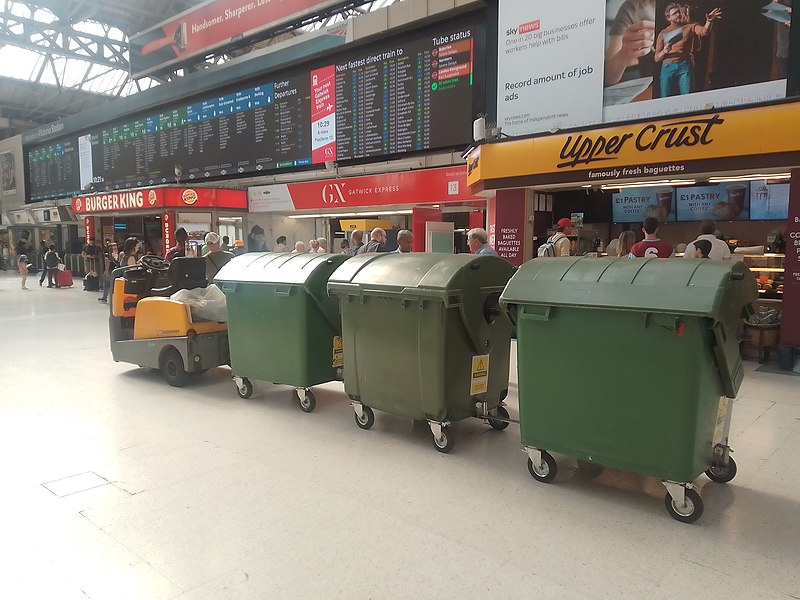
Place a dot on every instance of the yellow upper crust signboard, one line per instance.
(646, 149)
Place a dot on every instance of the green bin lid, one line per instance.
(417, 275)
(709, 288)
(280, 268)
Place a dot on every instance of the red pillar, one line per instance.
(168, 219)
(420, 216)
(476, 219)
(790, 321)
(506, 224)
(88, 228)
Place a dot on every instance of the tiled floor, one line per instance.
(115, 486)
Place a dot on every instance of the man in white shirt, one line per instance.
(719, 249)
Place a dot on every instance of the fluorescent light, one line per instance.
(752, 177)
(587, 186)
(305, 216)
(644, 184)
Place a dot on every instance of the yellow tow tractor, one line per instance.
(149, 329)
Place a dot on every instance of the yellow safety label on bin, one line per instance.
(338, 352)
(722, 418)
(479, 382)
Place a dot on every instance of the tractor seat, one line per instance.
(184, 274)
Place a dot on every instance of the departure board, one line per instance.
(410, 95)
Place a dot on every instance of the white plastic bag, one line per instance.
(206, 304)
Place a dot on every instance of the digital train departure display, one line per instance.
(414, 94)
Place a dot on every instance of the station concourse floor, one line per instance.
(116, 486)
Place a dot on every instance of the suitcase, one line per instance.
(91, 283)
(64, 278)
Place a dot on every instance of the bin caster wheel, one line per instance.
(546, 471)
(445, 442)
(691, 510)
(367, 418)
(500, 425)
(307, 402)
(722, 474)
(245, 390)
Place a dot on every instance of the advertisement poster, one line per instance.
(550, 65)
(8, 177)
(725, 202)
(212, 25)
(635, 204)
(769, 201)
(652, 62)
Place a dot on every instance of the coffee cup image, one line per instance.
(736, 197)
(665, 196)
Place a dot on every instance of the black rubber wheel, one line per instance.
(503, 394)
(546, 472)
(447, 440)
(690, 512)
(367, 420)
(500, 425)
(307, 402)
(723, 474)
(172, 368)
(246, 390)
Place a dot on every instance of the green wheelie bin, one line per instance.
(282, 325)
(425, 338)
(631, 364)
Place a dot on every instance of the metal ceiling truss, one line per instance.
(60, 39)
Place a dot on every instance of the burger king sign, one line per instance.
(189, 197)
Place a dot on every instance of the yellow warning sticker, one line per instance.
(479, 382)
(338, 352)
(722, 419)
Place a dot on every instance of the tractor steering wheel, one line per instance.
(154, 263)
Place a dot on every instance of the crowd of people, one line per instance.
(101, 260)
(707, 245)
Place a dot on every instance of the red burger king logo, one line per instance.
(151, 197)
(189, 197)
(78, 205)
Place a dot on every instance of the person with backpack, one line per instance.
(51, 261)
(558, 244)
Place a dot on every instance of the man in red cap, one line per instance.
(559, 239)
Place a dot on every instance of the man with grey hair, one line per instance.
(299, 248)
(377, 239)
(322, 245)
(478, 242)
(356, 242)
(405, 240)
